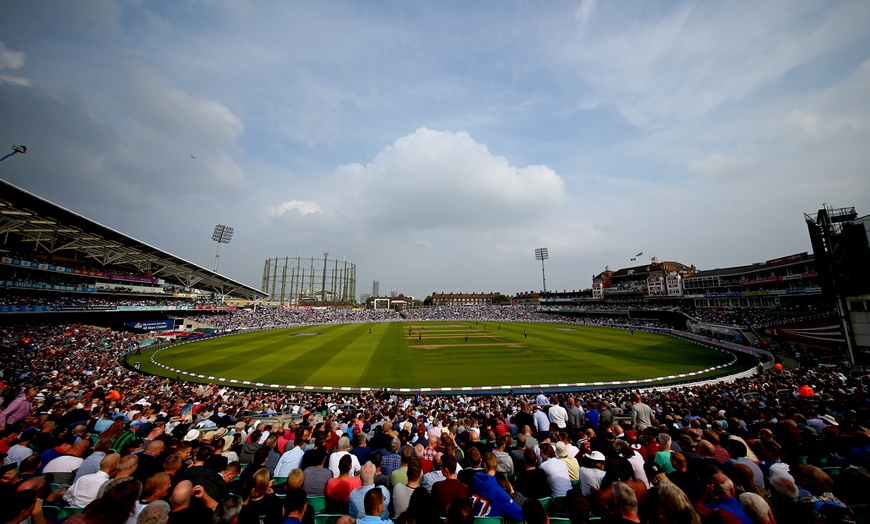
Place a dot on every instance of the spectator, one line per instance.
(373, 503)
(490, 500)
(445, 491)
(719, 503)
(338, 489)
(114, 507)
(558, 477)
(356, 500)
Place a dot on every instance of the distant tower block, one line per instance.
(297, 281)
(376, 288)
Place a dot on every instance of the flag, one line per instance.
(639, 254)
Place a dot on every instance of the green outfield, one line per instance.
(434, 355)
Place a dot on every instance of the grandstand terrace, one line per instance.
(789, 282)
(66, 252)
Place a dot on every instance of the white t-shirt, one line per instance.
(558, 416)
(336, 457)
(590, 478)
(557, 476)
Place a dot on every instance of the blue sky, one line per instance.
(436, 145)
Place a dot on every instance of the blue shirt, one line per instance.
(390, 463)
(369, 519)
(356, 504)
(732, 506)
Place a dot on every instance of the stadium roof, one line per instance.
(799, 258)
(66, 234)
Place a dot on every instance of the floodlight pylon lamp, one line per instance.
(542, 254)
(15, 150)
(222, 235)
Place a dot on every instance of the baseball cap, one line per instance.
(652, 469)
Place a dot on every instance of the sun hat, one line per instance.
(596, 456)
(830, 420)
(191, 435)
(561, 450)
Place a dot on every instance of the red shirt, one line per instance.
(338, 489)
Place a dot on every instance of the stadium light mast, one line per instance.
(542, 254)
(323, 278)
(15, 149)
(222, 235)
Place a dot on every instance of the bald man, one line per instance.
(187, 506)
(150, 461)
(86, 487)
(719, 503)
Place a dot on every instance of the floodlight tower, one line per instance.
(323, 282)
(542, 254)
(222, 235)
(15, 149)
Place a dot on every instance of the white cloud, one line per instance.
(585, 11)
(302, 206)
(15, 81)
(693, 58)
(440, 179)
(10, 59)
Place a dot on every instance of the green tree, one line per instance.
(501, 299)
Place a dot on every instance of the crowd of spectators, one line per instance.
(752, 448)
(619, 306)
(521, 314)
(270, 317)
(625, 286)
(13, 298)
(757, 317)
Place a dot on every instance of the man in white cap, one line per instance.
(590, 477)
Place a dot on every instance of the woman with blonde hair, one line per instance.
(673, 506)
(259, 499)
